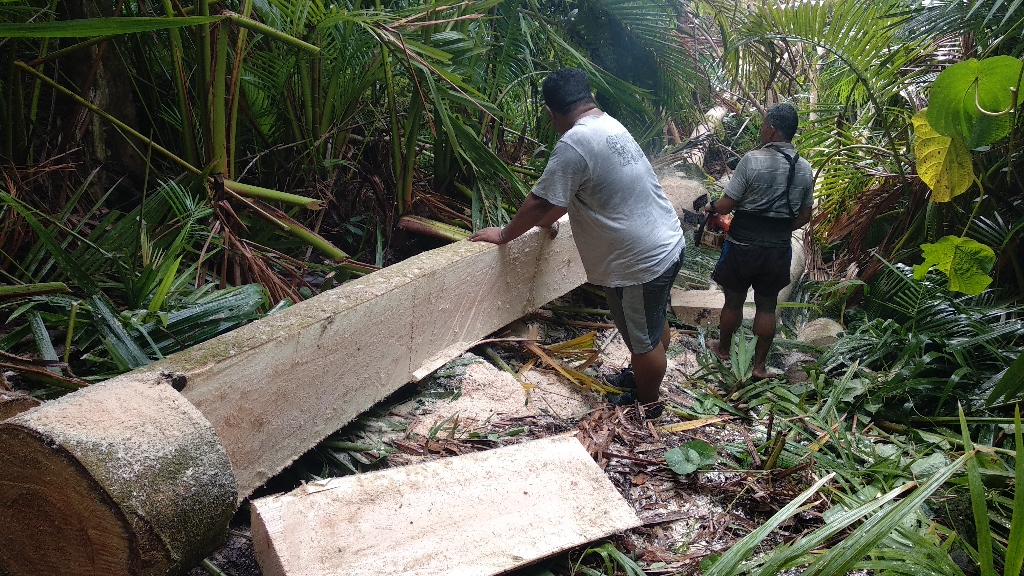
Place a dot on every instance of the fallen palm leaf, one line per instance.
(578, 378)
(25, 290)
(825, 437)
(582, 348)
(585, 343)
(693, 424)
(433, 228)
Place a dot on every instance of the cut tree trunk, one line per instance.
(110, 469)
(703, 134)
(117, 478)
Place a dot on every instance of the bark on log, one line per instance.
(711, 124)
(117, 478)
(13, 403)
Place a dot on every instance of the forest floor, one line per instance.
(471, 405)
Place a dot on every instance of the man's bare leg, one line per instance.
(764, 329)
(649, 370)
(729, 321)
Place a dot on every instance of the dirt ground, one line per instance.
(471, 405)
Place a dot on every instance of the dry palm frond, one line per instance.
(433, 228)
(582, 348)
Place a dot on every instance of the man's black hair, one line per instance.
(566, 89)
(783, 118)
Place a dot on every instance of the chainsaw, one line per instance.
(713, 227)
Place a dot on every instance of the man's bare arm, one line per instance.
(802, 217)
(722, 205)
(535, 211)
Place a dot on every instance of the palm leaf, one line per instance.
(842, 557)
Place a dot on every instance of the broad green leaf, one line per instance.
(93, 27)
(682, 461)
(706, 452)
(943, 163)
(964, 261)
(929, 465)
(960, 89)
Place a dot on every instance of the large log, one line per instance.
(118, 478)
(269, 391)
(275, 388)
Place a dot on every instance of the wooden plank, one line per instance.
(275, 388)
(475, 515)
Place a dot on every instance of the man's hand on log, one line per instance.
(553, 230)
(496, 235)
(492, 235)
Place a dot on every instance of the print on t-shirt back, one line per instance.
(623, 146)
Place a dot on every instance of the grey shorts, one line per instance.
(640, 311)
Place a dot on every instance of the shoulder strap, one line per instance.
(789, 179)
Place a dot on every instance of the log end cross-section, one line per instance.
(123, 479)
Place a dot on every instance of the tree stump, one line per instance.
(115, 479)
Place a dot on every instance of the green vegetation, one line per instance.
(172, 170)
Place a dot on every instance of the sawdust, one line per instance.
(686, 517)
(491, 395)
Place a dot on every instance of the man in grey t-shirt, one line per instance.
(771, 192)
(626, 231)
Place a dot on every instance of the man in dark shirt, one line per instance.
(771, 192)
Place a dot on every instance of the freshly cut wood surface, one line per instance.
(475, 515)
(123, 478)
(276, 387)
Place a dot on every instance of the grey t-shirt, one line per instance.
(758, 185)
(625, 229)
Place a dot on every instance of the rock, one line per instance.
(821, 332)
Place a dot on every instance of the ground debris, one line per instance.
(685, 518)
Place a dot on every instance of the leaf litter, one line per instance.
(470, 405)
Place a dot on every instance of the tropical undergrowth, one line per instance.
(911, 422)
(273, 148)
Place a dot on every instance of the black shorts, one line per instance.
(640, 311)
(742, 266)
